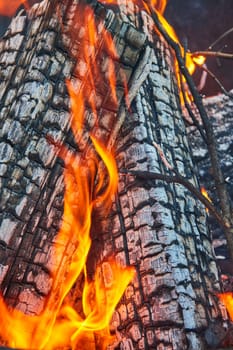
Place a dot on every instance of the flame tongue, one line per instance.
(227, 300)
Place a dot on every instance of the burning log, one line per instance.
(108, 67)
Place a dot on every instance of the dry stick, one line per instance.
(190, 112)
(178, 178)
(203, 78)
(220, 38)
(211, 142)
(146, 175)
(213, 76)
(213, 54)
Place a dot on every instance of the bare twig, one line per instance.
(220, 38)
(181, 180)
(190, 111)
(213, 76)
(218, 54)
(146, 175)
(188, 107)
(203, 78)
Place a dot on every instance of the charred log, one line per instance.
(157, 227)
(219, 109)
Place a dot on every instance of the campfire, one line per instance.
(131, 243)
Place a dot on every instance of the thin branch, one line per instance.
(218, 54)
(220, 38)
(190, 112)
(188, 107)
(184, 182)
(203, 78)
(146, 175)
(213, 76)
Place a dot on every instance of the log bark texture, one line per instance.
(159, 228)
(220, 112)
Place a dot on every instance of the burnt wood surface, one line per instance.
(159, 228)
(220, 111)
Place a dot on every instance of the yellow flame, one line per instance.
(227, 300)
(206, 195)
(199, 60)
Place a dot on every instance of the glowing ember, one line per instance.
(9, 10)
(227, 300)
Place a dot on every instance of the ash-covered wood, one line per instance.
(220, 109)
(159, 228)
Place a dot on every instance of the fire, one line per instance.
(206, 195)
(91, 180)
(227, 300)
(190, 60)
(199, 60)
(9, 10)
(65, 327)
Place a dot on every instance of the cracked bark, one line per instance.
(157, 227)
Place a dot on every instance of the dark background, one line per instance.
(198, 23)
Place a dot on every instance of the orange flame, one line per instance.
(65, 327)
(206, 195)
(227, 300)
(7, 9)
(91, 180)
(190, 60)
